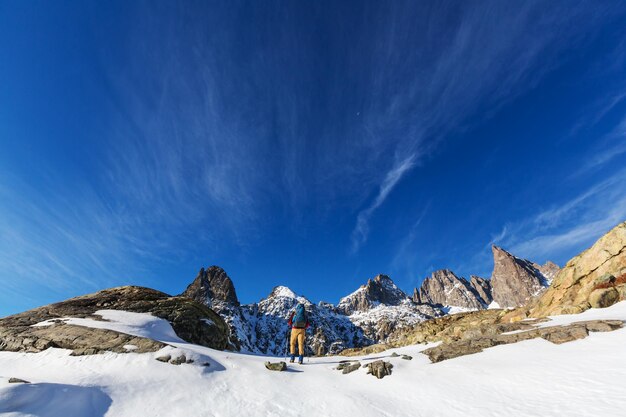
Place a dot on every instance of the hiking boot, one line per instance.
(292, 359)
(300, 359)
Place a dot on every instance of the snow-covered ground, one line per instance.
(532, 378)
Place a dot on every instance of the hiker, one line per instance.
(299, 322)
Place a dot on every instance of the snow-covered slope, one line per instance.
(531, 378)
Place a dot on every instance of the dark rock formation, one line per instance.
(212, 286)
(514, 281)
(445, 288)
(13, 380)
(191, 321)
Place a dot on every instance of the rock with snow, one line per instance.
(24, 332)
(514, 281)
(380, 290)
(368, 315)
(445, 288)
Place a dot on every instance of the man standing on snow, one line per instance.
(299, 322)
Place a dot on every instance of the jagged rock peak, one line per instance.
(482, 287)
(416, 296)
(212, 285)
(445, 288)
(548, 270)
(514, 281)
(379, 290)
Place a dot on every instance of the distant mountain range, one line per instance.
(370, 314)
(372, 318)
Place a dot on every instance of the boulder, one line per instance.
(350, 367)
(164, 358)
(603, 297)
(379, 368)
(277, 366)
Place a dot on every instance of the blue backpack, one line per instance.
(299, 317)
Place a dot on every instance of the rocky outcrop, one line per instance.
(514, 281)
(445, 288)
(555, 334)
(380, 290)
(595, 278)
(482, 287)
(191, 321)
(212, 286)
(454, 327)
(79, 339)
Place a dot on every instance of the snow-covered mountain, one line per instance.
(368, 315)
(371, 313)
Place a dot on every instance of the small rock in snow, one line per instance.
(18, 381)
(178, 360)
(278, 366)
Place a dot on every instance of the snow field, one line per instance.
(532, 378)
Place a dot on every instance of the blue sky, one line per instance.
(308, 144)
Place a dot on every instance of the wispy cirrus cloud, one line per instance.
(488, 55)
(361, 231)
(571, 226)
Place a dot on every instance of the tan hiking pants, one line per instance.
(297, 335)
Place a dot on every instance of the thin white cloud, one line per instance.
(361, 230)
(486, 59)
(573, 225)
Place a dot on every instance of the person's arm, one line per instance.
(290, 321)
